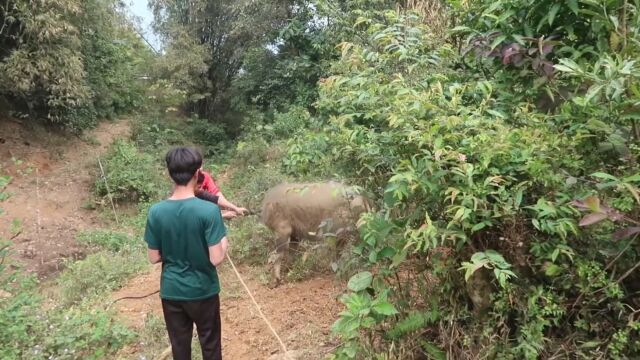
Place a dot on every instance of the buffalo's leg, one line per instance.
(294, 249)
(280, 255)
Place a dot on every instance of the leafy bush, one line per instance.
(130, 174)
(307, 154)
(69, 61)
(62, 333)
(251, 151)
(251, 240)
(286, 125)
(151, 132)
(28, 330)
(471, 181)
(212, 137)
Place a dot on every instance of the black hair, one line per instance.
(182, 163)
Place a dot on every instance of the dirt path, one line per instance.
(52, 178)
(301, 313)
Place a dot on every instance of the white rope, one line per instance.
(106, 185)
(282, 345)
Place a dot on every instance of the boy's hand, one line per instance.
(228, 214)
(242, 211)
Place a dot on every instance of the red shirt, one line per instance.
(208, 184)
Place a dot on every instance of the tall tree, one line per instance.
(226, 31)
(68, 61)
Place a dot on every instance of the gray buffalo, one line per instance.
(309, 211)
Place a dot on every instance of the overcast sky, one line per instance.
(140, 9)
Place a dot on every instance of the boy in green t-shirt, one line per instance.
(188, 236)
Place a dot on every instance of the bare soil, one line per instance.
(51, 188)
(301, 313)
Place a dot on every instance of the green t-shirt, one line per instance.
(183, 230)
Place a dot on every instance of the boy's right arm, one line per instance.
(218, 251)
(154, 256)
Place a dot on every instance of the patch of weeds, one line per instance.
(28, 331)
(98, 273)
(131, 175)
(109, 240)
(307, 261)
(196, 352)
(250, 240)
(231, 287)
(5, 195)
(22, 168)
(88, 205)
(153, 338)
(154, 132)
(4, 181)
(83, 333)
(248, 186)
(16, 162)
(90, 139)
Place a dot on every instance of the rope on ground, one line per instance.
(165, 354)
(106, 185)
(282, 345)
(132, 297)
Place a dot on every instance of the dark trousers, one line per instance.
(180, 316)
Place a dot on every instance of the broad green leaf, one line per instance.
(632, 189)
(385, 308)
(552, 270)
(593, 91)
(598, 125)
(552, 13)
(360, 281)
(387, 252)
(573, 5)
(632, 178)
(496, 113)
(479, 226)
(497, 41)
(602, 175)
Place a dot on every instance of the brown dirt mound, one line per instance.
(52, 178)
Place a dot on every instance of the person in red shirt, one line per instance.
(207, 187)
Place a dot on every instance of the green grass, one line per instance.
(98, 273)
(29, 330)
(109, 240)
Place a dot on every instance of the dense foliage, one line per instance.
(68, 61)
(499, 140)
(481, 168)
